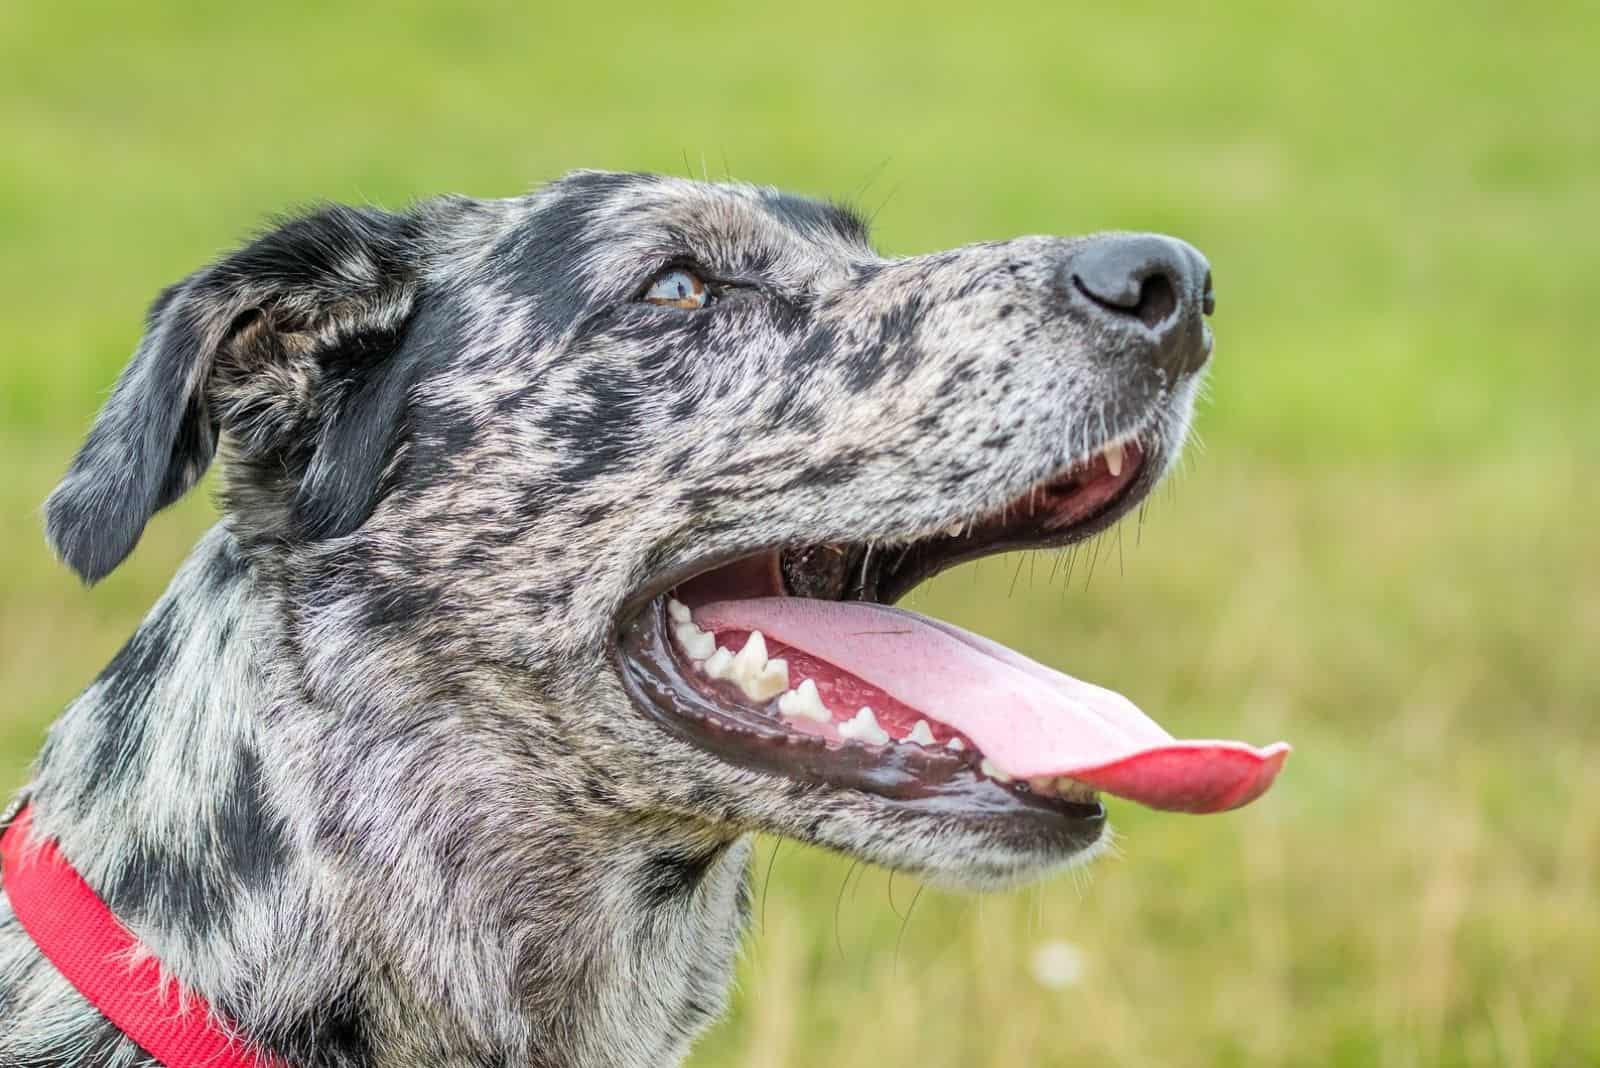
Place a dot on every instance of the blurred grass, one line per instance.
(1385, 553)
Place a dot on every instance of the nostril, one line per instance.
(1158, 299)
(1208, 297)
(1152, 299)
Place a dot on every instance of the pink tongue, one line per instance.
(1028, 719)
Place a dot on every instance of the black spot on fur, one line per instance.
(814, 217)
(250, 839)
(670, 876)
(247, 850)
(546, 256)
(895, 349)
(119, 744)
(336, 1035)
(787, 314)
(863, 368)
(160, 882)
(899, 324)
(814, 351)
(832, 471)
(966, 370)
(224, 567)
(745, 900)
(686, 405)
(599, 429)
(223, 636)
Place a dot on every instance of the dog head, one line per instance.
(558, 459)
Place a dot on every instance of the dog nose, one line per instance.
(1158, 281)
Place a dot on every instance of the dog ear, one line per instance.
(251, 347)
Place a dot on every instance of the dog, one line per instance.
(559, 537)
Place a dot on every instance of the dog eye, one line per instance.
(677, 288)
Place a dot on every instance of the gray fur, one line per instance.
(366, 777)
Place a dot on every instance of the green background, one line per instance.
(1383, 549)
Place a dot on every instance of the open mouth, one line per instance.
(793, 660)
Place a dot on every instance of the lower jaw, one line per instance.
(909, 780)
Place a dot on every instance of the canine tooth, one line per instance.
(922, 734)
(864, 728)
(955, 743)
(1044, 784)
(696, 642)
(719, 665)
(1113, 455)
(769, 682)
(954, 530)
(677, 610)
(989, 769)
(804, 702)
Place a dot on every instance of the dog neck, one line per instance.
(352, 891)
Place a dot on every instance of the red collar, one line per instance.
(78, 934)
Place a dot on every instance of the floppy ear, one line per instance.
(262, 346)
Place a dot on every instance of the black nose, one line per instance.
(1159, 281)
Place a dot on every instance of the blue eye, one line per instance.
(677, 288)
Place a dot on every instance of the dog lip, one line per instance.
(635, 604)
(894, 578)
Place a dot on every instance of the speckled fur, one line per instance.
(366, 777)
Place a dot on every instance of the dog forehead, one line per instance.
(613, 224)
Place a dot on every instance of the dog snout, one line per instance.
(1149, 279)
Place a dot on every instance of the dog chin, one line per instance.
(953, 851)
(974, 863)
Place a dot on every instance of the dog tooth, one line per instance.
(677, 610)
(864, 728)
(954, 530)
(719, 665)
(696, 642)
(922, 734)
(1043, 784)
(752, 658)
(803, 702)
(988, 768)
(769, 682)
(955, 743)
(1113, 455)
(1073, 790)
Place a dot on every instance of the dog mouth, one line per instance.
(793, 660)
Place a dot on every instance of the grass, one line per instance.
(1384, 553)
